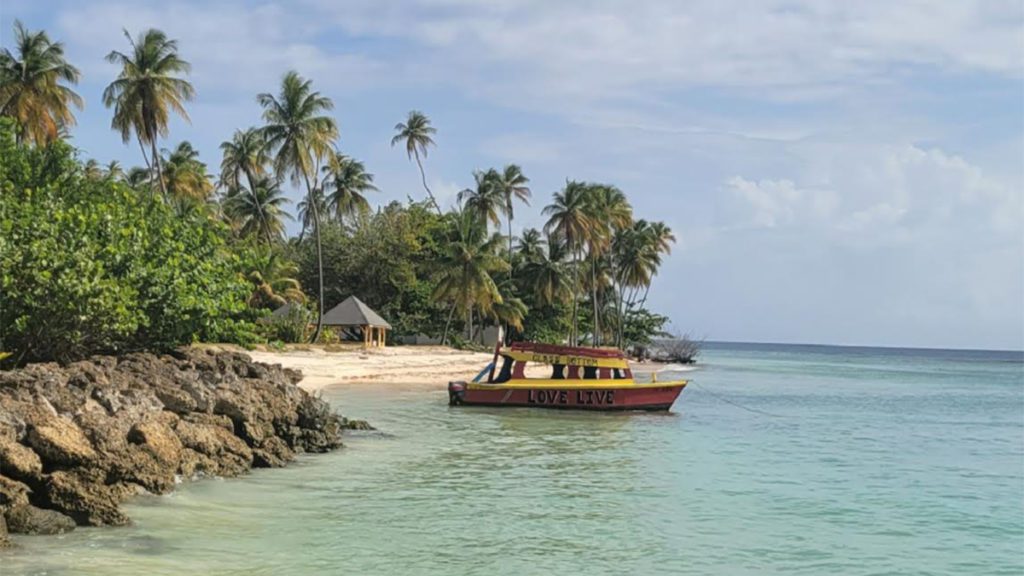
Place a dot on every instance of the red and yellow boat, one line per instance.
(581, 378)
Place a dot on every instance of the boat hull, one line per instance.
(652, 397)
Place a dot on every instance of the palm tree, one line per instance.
(92, 170)
(113, 171)
(531, 245)
(305, 210)
(569, 216)
(510, 312)
(346, 181)
(138, 177)
(258, 210)
(610, 211)
(31, 86)
(299, 136)
(415, 132)
(273, 280)
(184, 176)
(512, 184)
(486, 200)
(245, 154)
(466, 265)
(658, 240)
(147, 90)
(545, 272)
(636, 253)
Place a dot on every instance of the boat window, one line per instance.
(505, 374)
(617, 374)
(590, 372)
(558, 372)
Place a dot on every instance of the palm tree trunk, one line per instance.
(510, 243)
(647, 290)
(507, 333)
(447, 325)
(145, 158)
(319, 259)
(597, 316)
(574, 333)
(423, 176)
(159, 169)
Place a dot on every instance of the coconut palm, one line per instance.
(273, 280)
(92, 170)
(416, 133)
(546, 272)
(513, 185)
(113, 171)
(636, 256)
(306, 210)
(147, 91)
(138, 178)
(510, 312)
(569, 217)
(610, 211)
(298, 135)
(531, 245)
(346, 181)
(184, 176)
(484, 201)
(658, 240)
(32, 86)
(245, 154)
(467, 264)
(259, 211)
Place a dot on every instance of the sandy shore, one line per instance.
(418, 366)
(405, 366)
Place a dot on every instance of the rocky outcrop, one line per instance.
(76, 441)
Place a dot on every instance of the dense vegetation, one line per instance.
(97, 258)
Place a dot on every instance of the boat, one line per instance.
(581, 378)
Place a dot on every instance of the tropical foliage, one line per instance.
(89, 265)
(33, 86)
(99, 257)
(147, 91)
(298, 135)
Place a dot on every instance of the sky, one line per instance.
(834, 172)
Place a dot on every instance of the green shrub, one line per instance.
(291, 328)
(89, 265)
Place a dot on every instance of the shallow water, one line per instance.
(807, 460)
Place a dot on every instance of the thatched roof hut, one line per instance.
(354, 313)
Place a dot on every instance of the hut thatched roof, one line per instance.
(353, 312)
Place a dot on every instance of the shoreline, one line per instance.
(397, 367)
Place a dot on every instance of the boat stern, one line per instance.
(456, 392)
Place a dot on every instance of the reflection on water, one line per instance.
(895, 468)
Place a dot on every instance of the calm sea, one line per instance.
(779, 459)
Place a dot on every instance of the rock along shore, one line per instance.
(77, 440)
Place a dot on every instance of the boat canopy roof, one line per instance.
(566, 355)
(560, 350)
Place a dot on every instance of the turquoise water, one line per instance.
(856, 461)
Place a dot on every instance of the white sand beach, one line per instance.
(402, 366)
(414, 366)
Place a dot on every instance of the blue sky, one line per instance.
(836, 172)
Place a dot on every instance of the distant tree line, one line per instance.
(167, 252)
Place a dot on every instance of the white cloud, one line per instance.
(875, 190)
(780, 202)
(584, 50)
